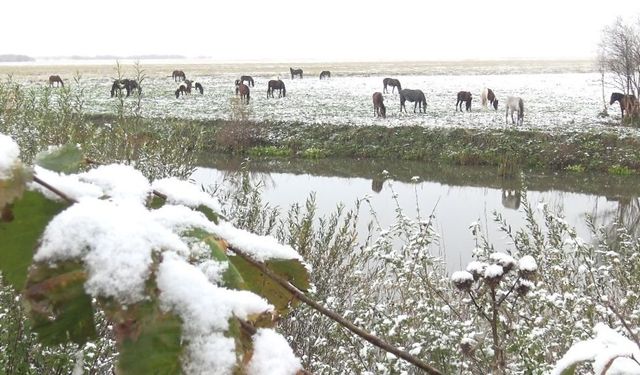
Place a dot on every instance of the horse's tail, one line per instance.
(248, 96)
(284, 90)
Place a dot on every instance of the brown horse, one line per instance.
(464, 97)
(325, 74)
(244, 92)
(182, 90)
(247, 79)
(295, 72)
(178, 75)
(627, 102)
(57, 80)
(276, 85)
(379, 110)
(391, 82)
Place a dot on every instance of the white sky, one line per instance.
(329, 30)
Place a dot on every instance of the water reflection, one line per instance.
(458, 196)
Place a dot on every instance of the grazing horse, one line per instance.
(325, 74)
(128, 84)
(178, 75)
(55, 79)
(626, 102)
(244, 92)
(488, 96)
(276, 85)
(515, 104)
(416, 96)
(464, 97)
(182, 89)
(379, 110)
(247, 79)
(295, 72)
(391, 82)
(199, 87)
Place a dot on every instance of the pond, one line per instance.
(457, 196)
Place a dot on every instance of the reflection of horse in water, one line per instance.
(55, 79)
(511, 198)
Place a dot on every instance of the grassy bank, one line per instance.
(507, 149)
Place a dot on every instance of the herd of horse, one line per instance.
(629, 104)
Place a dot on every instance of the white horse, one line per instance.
(487, 95)
(515, 104)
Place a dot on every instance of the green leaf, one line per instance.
(150, 344)
(231, 277)
(571, 370)
(60, 309)
(64, 159)
(19, 236)
(291, 270)
(209, 213)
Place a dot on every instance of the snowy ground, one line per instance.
(557, 98)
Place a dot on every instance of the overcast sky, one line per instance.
(329, 30)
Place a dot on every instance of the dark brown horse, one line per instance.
(130, 85)
(325, 74)
(416, 96)
(182, 90)
(379, 110)
(295, 72)
(247, 79)
(391, 82)
(488, 96)
(627, 102)
(244, 92)
(276, 85)
(55, 79)
(178, 75)
(464, 97)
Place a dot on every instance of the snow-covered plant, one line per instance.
(169, 274)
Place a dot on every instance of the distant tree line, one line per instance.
(16, 58)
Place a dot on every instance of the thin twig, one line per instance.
(53, 190)
(337, 318)
(624, 323)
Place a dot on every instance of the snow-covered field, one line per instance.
(557, 97)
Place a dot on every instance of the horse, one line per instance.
(379, 110)
(182, 89)
(247, 79)
(244, 92)
(55, 79)
(464, 97)
(325, 74)
(276, 85)
(199, 87)
(391, 82)
(416, 96)
(626, 102)
(488, 96)
(295, 72)
(178, 75)
(515, 104)
(128, 84)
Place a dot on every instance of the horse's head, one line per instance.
(495, 104)
(177, 93)
(615, 97)
(383, 111)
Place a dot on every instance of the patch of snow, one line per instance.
(119, 181)
(272, 355)
(186, 193)
(503, 259)
(70, 185)
(461, 277)
(527, 263)
(492, 271)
